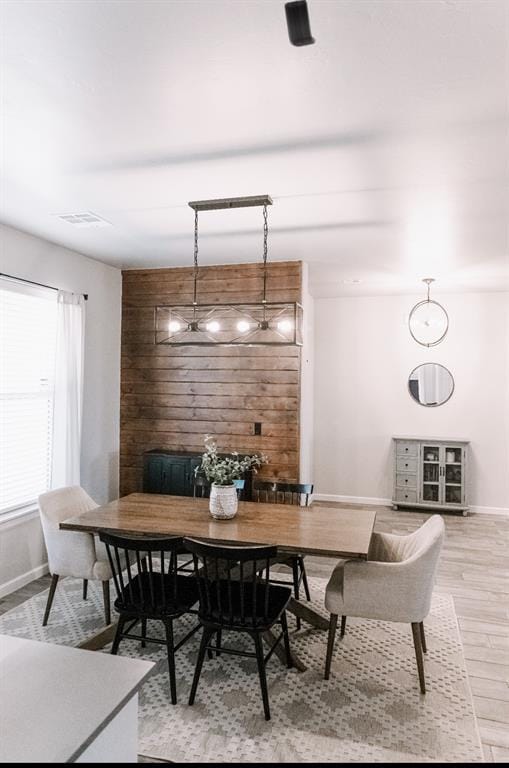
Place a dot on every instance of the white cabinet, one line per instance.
(64, 705)
(430, 473)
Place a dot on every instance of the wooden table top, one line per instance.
(319, 531)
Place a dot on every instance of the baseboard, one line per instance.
(25, 578)
(352, 499)
(504, 511)
(478, 510)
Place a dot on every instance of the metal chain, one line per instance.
(195, 275)
(265, 237)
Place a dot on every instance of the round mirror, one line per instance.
(428, 322)
(431, 384)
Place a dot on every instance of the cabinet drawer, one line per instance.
(406, 449)
(404, 464)
(406, 481)
(409, 496)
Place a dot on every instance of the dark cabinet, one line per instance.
(173, 473)
(170, 473)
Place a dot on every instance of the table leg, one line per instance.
(307, 614)
(100, 639)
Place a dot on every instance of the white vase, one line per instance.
(223, 501)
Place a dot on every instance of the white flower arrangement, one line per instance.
(224, 470)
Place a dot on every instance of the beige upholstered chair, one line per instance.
(394, 584)
(72, 553)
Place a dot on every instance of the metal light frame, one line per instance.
(427, 300)
(263, 323)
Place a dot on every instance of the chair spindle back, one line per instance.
(282, 493)
(144, 570)
(233, 582)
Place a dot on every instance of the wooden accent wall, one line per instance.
(172, 396)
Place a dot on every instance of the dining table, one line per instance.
(321, 531)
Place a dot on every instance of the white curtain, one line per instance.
(68, 398)
(434, 384)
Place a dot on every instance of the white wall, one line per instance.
(25, 256)
(363, 356)
(307, 383)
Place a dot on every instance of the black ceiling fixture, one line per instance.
(297, 18)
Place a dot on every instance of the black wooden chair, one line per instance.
(236, 595)
(201, 487)
(151, 590)
(201, 490)
(287, 493)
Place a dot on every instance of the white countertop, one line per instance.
(54, 700)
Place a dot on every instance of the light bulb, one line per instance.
(174, 326)
(213, 326)
(243, 326)
(284, 325)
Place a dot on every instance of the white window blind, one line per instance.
(28, 317)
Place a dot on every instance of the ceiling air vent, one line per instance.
(86, 219)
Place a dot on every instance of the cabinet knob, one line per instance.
(406, 449)
(406, 465)
(406, 495)
(406, 480)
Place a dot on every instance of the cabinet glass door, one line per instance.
(430, 479)
(453, 474)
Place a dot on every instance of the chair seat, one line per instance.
(284, 559)
(161, 593)
(219, 612)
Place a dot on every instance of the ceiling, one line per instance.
(384, 145)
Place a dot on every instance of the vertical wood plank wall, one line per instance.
(172, 396)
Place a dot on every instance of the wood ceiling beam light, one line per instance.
(230, 202)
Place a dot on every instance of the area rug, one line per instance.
(369, 711)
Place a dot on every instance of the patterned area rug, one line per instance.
(369, 711)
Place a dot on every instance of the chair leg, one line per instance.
(330, 643)
(143, 633)
(106, 596)
(218, 642)
(51, 595)
(207, 634)
(118, 635)
(85, 588)
(423, 638)
(305, 579)
(261, 672)
(286, 639)
(171, 659)
(295, 569)
(416, 631)
(343, 626)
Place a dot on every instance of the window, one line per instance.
(28, 317)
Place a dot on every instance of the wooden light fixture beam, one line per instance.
(230, 202)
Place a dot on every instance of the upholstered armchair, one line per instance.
(394, 584)
(72, 553)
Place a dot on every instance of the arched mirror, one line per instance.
(428, 321)
(431, 384)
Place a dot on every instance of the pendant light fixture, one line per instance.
(428, 321)
(255, 324)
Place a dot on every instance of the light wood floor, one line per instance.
(474, 568)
